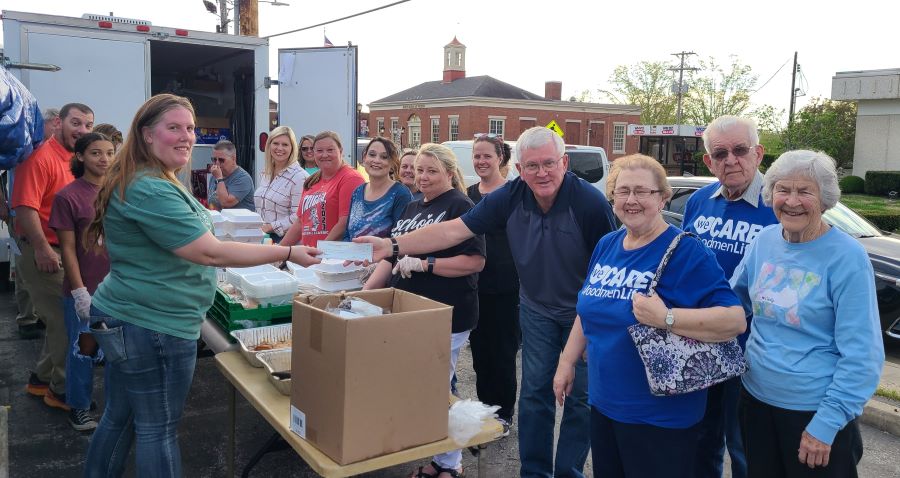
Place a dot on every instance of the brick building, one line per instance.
(457, 107)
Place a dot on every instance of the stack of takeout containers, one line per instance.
(264, 284)
(241, 225)
(270, 289)
(218, 225)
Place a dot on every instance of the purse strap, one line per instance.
(651, 289)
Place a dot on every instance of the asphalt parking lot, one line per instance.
(43, 444)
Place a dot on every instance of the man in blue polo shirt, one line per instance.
(727, 215)
(553, 220)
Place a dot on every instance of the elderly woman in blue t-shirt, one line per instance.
(815, 349)
(634, 433)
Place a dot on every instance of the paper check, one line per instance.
(345, 251)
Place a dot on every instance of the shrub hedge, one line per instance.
(852, 184)
(880, 183)
(884, 221)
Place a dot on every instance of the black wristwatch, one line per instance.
(431, 260)
(395, 249)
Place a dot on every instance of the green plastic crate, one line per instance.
(231, 315)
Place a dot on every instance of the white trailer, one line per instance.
(115, 64)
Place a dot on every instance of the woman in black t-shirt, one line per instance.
(496, 340)
(449, 276)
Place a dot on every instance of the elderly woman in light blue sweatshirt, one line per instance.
(815, 350)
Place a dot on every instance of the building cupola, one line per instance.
(454, 61)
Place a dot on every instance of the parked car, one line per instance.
(883, 247)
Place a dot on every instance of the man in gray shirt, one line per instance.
(232, 186)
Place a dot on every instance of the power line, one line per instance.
(339, 19)
(773, 75)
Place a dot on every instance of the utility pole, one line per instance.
(248, 15)
(681, 69)
(223, 16)
(793, 99)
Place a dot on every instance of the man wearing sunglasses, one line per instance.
(232, 186)
(727, 215)
(553, 221)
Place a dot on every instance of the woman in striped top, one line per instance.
(281, 185)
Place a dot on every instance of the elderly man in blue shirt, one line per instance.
(553, 220)
(727, 215)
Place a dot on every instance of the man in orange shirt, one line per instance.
(36, 182)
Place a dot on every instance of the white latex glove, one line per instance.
(82, 303)
(407, 266)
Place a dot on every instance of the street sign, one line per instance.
(555, 127)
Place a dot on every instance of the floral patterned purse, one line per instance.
(676, 364)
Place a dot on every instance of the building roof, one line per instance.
(475, 86)
(454, 42)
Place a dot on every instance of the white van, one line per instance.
(587, 162)
(463, 152)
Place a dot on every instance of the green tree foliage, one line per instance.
(713, 91)
(647, 84)
(771, 128)
(717, 90)
(825, 125)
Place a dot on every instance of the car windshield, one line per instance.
(850, 222)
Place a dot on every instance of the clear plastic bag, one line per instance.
(353, 308)
(467, 418)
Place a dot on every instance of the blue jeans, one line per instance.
(148, 376)
(720, 427)
(543, 339)
(79, 368)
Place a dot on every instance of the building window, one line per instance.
(379, 127)
(395, 130)
(435, 130)
(495, 126)
(618, 140)
(454, 128)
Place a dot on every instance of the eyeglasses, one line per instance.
(489, 136)
(624, 193)
(738, 152)
(547, 165)
(306, 149)
(218, 160)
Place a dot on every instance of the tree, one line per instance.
(771, 128)
(827, 126)
(646, 84)
(715, 90)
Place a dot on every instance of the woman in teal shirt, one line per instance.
(146, 313)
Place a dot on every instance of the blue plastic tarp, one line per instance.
(21, 124)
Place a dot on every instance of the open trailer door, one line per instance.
(317, 91)
(114, 89)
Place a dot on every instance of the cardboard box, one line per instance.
(370, 386)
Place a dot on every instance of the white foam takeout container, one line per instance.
(308, 277)
(329, 271)
(233, 275)
(240, 219)
(269, 288)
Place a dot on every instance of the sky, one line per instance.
(577, 42)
